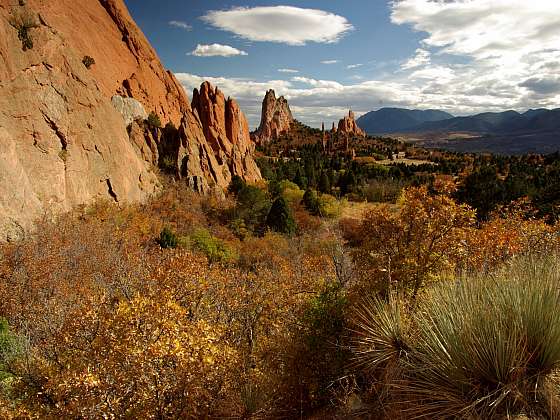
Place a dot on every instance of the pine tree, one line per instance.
(324, 183)
(280, 217)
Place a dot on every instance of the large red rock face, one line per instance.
(62, 142)
(276, 118)
(348, 126)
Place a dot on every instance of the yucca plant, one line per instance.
(486, 345)
(477, 348)
(380, 333)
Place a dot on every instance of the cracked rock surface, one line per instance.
(62, 141)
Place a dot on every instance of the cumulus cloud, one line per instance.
(483, 28)
(542, 85)
(509, 51)
(282, 24)
(329, 61)
(216, 50)
(473, 56)
(180, 24)
(354, 66)
(288, 71)
(422, 57)
(313, 101)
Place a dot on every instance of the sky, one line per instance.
(325, 57)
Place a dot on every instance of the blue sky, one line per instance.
(327, 56)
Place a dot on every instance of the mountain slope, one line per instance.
(391, 120)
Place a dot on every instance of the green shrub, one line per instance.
(11, 347)
(23, 22)
(236, 185)
(252, 207)
(153, 120)
(167, 238)
(311, 202)
(88, 61)
(291, 192)
(168, 164)
(280, 218)
(215, 249)
(323, 355)
(329, 206)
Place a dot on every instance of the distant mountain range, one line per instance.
(399, 120)
(394, 120)
(508, 132)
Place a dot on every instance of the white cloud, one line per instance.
(283, 24)
(180, 24)
(509, 52)
(354, 66)
(474, 56)
(288, 71)
(312, 101)
(421, 58)
(216, 50)
(330, 61)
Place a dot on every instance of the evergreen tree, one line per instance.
(324, 183)
(280, 217)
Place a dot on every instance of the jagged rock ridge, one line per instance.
(348, 126)
(62, 142)
(276, 118)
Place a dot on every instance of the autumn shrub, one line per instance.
(505, 236)
(215, 249)
(407, 248)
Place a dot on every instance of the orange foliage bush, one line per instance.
(119, 328)
(405, 248)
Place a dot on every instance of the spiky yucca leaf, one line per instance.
(380, 333)
(485, 344)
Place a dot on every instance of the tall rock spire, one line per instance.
(276, 118)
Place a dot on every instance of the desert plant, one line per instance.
(88, 61)
(381, 333)
(23, 22)
(486, 346)
(153, 120)
(478, 348)
(167, 238)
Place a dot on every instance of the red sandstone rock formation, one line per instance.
(347, 126)
(63, 143)
(276, 118)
